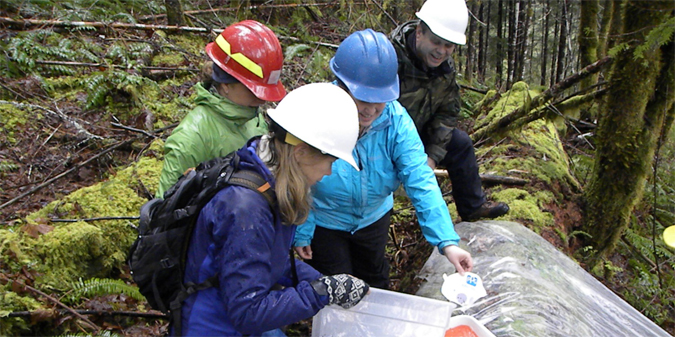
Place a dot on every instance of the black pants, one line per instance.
(460, 161)
(360, 254)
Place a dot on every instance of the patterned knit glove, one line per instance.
(342, 289)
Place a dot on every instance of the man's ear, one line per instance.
(418, 31)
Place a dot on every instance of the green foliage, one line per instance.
(98, 287)
(7, 166)
(90, 10)
(657, 37)
(30, 47)
(103, 84)
(11, 119)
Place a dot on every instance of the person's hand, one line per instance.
(459, 257)
(431, 163)
(342, 289)
(304, 252)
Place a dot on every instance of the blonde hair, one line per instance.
(292, 187)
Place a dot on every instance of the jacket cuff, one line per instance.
(436, 153)
(301, 243)
(444, 244)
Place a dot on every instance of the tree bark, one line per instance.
(605, 25)
(562, 39)
(544, 44)
(588, 38)
(482, 40)
(468, 69)
(628, 130)
(174, 12)
(500, 43)
(511, 47)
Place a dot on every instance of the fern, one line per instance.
(656, 38)
(100, 85)
(8, 166)
(98, 287)
(295, 50)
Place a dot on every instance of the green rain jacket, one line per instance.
(214, 128)
(431, 96)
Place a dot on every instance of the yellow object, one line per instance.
(669, 236)
(239, 57)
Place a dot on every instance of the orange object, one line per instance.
(460, 331)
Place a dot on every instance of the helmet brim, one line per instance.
(442, 32)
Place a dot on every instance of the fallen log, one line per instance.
(489, 178)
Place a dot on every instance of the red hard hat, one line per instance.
(250, 52)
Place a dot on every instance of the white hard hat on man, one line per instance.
(446, 18)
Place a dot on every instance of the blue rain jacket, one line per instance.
(390, 153)
(238, 237)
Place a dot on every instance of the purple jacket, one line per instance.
(238, 237)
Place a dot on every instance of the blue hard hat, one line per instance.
(366, 63)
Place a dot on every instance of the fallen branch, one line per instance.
(295, 39)
(480, 91)
(118, 125)
(385, 12)
(57, 302)
(96, 219)
(489, 178)
(28, 314)
(77, 166)
(540, 100)
(34, 22)
(59, 23)
(59, 114)
(116, 66)
(570, 103)
(232, 9)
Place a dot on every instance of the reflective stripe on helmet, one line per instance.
(239, 57)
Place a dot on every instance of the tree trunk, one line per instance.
(616, 24)
(500, 44)
(588, 38)
(554, 54)
(482, 40)
(511, 51)
(521, 39)
(605, 25)
(174, 12)
(544, 44)
(562, 39)
(470, 60)
(629, 128)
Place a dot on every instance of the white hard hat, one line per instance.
(322, 115)
(446, 18)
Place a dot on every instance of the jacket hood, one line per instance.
(399, 34)
(224, 106)
(249, 160)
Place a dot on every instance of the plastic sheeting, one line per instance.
(533, 289)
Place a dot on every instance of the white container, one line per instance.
(384, 313)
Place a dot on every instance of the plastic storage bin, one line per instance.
(385, 313)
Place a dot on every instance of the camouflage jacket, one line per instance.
(431, 96)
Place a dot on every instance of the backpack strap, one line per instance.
(256, 182)
(177, 304)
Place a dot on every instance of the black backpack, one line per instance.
(157, 257)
